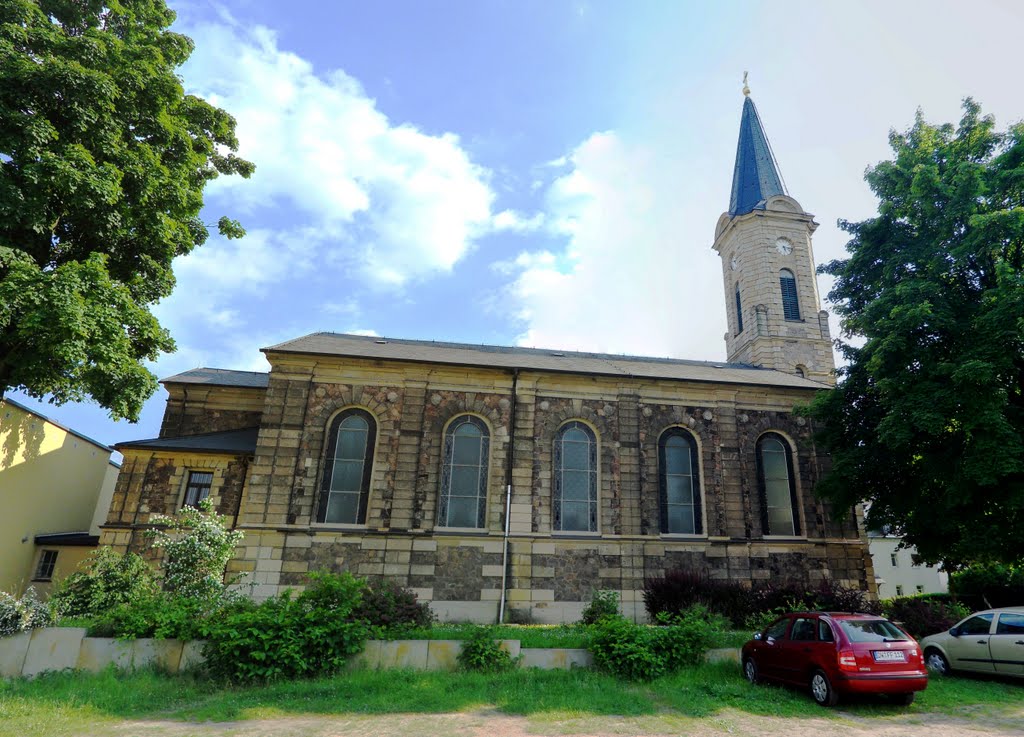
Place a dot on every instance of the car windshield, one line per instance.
(871, 630)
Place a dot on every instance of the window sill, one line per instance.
(42, 580)
(461, 531)
(575, 533)
(682, 536)
(339, 526)
(784, 538)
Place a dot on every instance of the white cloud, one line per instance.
(401, 204)
(636, 274)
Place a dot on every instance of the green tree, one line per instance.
(927, 421)
(103, 161)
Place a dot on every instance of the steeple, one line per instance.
(756, 175)
(771, 293)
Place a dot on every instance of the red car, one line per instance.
(833, 653)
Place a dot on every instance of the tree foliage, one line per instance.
(103, 161)
(926, 422)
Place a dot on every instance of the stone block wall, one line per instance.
(548, 575)
(193, 409)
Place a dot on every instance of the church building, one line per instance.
(515, 482)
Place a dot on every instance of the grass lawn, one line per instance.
(75, 703)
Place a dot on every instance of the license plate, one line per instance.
(889, 656)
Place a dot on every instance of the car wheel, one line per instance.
(822, 691)
(937, 663)
(750, 671)
(903, 699)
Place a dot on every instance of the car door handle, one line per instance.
(807, 649)
(982, 642)
(1019, 642)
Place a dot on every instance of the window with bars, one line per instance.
(47, 562)
(463, 501)
(779, 515)
(574, 504)
(790, 302)
(679, 483)
(198, 487)
(348, 464)
(739, 311)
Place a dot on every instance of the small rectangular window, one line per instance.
(47, 561)
(894, 560)
(198, 487)
(920, 589)
(899, 591)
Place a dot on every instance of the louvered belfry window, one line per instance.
(347, 469)
(790, 303)
(574, 506)
(739, 311)
(463, 501)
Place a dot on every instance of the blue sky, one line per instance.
(533, 173)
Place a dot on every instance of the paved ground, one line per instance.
(491, 724)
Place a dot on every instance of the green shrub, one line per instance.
(639, 653)
(388, 606)
(986, 585)
(922, 615)
(105, 580)
(24, 614)
(602, 604)
(627, 650)
(683, 638)
(482, 652)
(284, 637)
(160, 615)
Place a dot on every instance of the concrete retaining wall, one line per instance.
(63, 648)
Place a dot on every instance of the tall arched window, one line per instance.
(463, 500)
(679, 483)
(574, 503)
(779, 514)
(345, 490)
(739, 311)
(790, 302)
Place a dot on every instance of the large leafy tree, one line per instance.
(927, 421)
(103, 161)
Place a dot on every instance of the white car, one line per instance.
(991, 641)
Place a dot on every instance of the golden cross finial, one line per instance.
(746, 90)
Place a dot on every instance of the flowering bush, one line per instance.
(21, 615)
(197, 546)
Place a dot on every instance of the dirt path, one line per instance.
(493, 724)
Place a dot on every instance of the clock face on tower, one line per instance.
(783, 246)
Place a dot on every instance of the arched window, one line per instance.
(574, 505)
(790, 303)
(779, 514)
(349, 462)
(679, 483)
(739, 311)
(463, 500)
(801, 371)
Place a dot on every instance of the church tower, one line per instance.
(771, 294)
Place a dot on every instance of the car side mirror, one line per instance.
(757, 635)
(954, 631)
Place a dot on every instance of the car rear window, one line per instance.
(870, 630)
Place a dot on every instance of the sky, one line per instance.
(540, 173)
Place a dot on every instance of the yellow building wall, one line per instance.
(50, 481)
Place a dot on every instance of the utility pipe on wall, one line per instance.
(508, 495)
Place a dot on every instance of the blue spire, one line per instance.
(756, 176)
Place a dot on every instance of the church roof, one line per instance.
(537, 359)
(228, 441)
(220, 377)
(756, 176)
